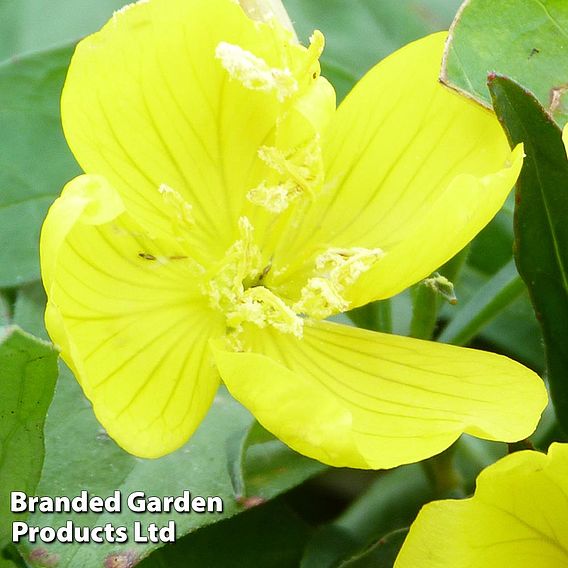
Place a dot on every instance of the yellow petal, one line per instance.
(127, 314)
(152, 99)
(565, 137)
(356, 398)
(412, 168)
(517, 517)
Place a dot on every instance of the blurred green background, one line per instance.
(325, 520)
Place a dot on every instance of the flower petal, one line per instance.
(148, 102)
(356, 398)
(412, 168)
(518, 517)
(132, 325)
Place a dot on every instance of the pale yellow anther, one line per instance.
(254, 72)
(235, 289)
(345, 265)
(241, 262)
(321, 298)
(275, 198)
(300, 174)
(335, 270)
(263, 308)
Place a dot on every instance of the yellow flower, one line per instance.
(228, 208)
(517, 517)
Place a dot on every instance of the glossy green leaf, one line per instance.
(34, 159)
(540, 224)
(89, 459)
(28, 371)
(526, 40)
(359, 33)
(270, 536)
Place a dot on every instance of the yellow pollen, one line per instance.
(345, 265)
(262, 307)
(335, 270)
(230, 290)
(300, 174)
(254, 72)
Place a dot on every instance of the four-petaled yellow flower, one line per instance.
(517, 517)
(228, 208)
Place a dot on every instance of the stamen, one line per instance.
(335, 270)
(254, 72)
(235, 289)
(345, 265)
(275, 198)
(321, 298)
(262, 307)
(300, 173)
(241, 262)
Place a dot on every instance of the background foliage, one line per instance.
(340, 517)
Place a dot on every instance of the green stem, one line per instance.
(499, 293)
(445, 479)
(425, 312)
(376, 316)
(395, 494)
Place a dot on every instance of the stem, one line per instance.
(491, 299)
(445, 478)
(398, 494)
(376, 316)
(267, 10)
(425, 312)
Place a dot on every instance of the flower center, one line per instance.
(237, 286)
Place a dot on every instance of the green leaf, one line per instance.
(88, 459)
(34, 25)
(514, 331)
(526, 40)
(382, 27)
(381, 555)
(29, 309)
(270, 536)
(390, 503)
(28, 371)
(34, 160)
(492, 249)
(491, 299)
(541, 230)
(253, 458)
(5, 311)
